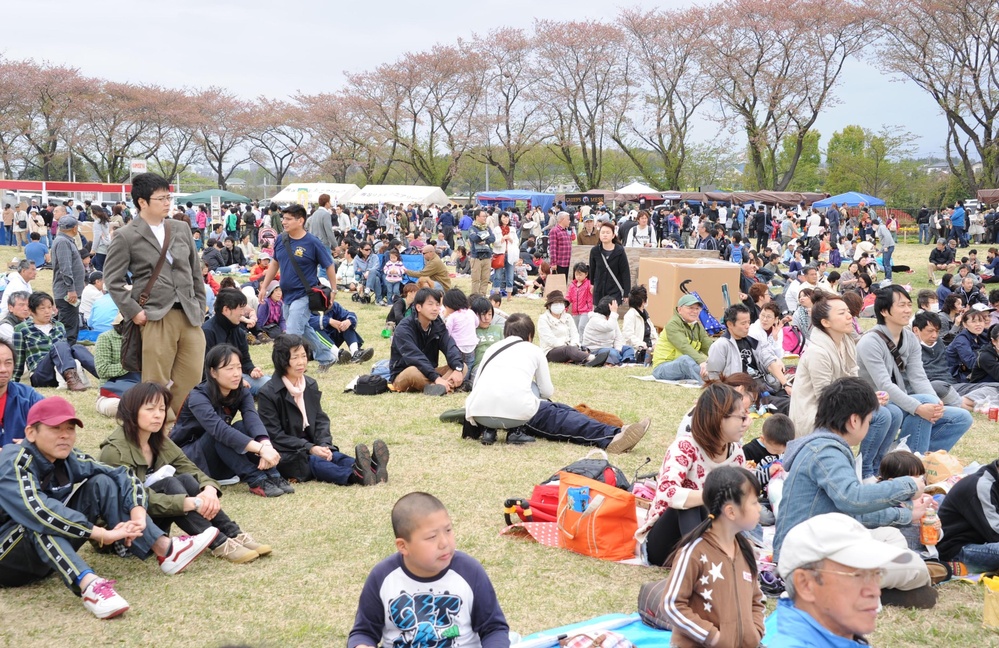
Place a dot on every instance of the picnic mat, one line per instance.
(689, 384)
(546, 533)
(628, 625)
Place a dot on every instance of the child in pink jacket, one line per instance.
(580, 296)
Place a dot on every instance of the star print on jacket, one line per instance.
(715, 572)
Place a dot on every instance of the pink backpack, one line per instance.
(794, 340)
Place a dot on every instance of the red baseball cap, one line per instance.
(53, 411)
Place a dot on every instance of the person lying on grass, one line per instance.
(51, 497)
(178, 493)
(504, 397)
(290, 407)
(428, 588)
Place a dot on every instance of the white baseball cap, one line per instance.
(836, 537)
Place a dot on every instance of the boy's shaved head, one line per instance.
(410, 510)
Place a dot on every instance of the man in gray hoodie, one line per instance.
(890, 359)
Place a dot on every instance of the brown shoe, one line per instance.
(73, 382)
(235, 552)
(628, 437)
(247, 541)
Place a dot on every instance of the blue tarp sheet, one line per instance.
(633, 629)
(850, 199)
(506, 199)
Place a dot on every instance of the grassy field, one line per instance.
(326, 538)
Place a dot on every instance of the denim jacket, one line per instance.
(822, 478)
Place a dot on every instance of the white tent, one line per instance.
(636, 189)
(399, 195)
(339, 193)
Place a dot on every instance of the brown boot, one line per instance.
(73, 382)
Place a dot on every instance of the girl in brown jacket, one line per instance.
(713, 597)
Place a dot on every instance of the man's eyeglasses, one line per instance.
(167, 198)
(865, 576)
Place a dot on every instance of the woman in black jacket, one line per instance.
(610, 272)
(291, 410)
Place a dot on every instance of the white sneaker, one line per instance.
(185, 550)
(101, 599)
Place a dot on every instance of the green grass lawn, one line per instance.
(326, 538)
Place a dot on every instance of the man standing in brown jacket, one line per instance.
(173, 344)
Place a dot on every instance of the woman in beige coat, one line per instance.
(832, 354)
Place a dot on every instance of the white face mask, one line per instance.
(935, 308)
(558, 309)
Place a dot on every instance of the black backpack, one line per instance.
(370, 385)
(599, 469)
(249, 219)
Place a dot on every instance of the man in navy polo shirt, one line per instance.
(309, 254)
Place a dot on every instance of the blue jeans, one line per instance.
(884, 424)
(925, 436)
(296, 316)
(503, 277)
(374, 284)
(886, 260)
(60, 358)
(683, 368)
(957, 232)
(256, 383)
(336, 471)
(980, 557)
(615, 357)
(393, 288)
(924, 234)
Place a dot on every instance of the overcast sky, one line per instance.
(277, 48)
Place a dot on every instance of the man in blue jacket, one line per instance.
(416, 347)
(51, 497)
(831, 568)
(959, 229)
(15, 399)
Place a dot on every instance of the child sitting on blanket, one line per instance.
(763, 454)
(702, 610)
(427, 587)
(902, 463)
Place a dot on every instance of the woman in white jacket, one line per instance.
(506, 243)
(769, 329)
(638, 331)
(602, 332)
(558, 337)
(643, 234)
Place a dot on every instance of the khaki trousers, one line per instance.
(480, 276)
(173, 350)
(412, 379)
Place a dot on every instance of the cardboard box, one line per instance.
(666, 279)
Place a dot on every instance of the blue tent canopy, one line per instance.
(506, 199)
(850, 199)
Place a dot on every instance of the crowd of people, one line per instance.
(187, 299)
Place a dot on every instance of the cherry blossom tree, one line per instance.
(950, 49)
(774, 64)
(582, 70)
(222, 131)
(507, 124)
(276, 136)
(55, 95)
(117, 123)
(666, 85)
